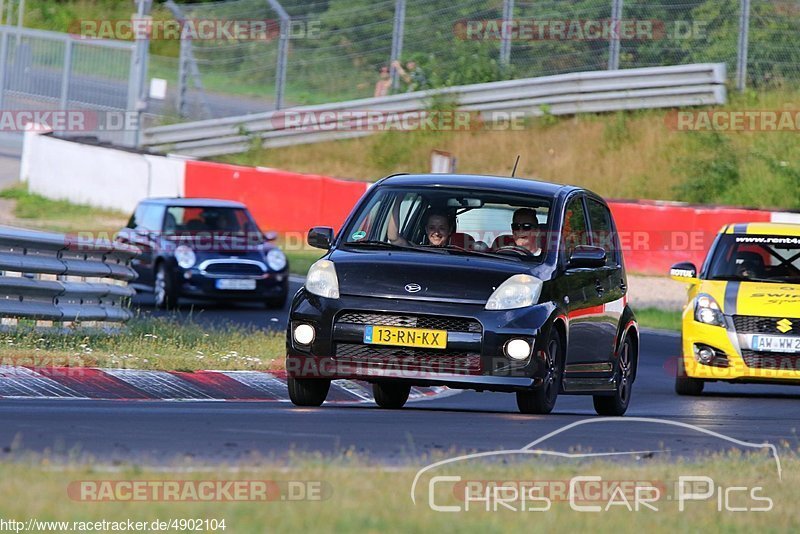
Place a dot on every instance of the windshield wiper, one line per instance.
(385, 245)
(738, 278)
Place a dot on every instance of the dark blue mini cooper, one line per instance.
(472, 282)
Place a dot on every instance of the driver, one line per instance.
(438, 228)
(525, 230)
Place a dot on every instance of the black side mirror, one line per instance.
(585, 256)
(683, 272)
(320, 237)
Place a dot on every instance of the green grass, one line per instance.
(147, 343)
(42, 213)
(660, 319)
(357, 495)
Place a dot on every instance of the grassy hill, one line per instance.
(619, 155)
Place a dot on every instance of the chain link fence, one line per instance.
(336, 49)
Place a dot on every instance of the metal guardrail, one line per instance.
(564, 94)
(50, 277)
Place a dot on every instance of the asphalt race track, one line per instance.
(158, 431)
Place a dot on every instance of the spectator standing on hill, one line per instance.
(412, 75)
(384, 82)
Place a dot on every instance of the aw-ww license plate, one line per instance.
(235, 284)
(776, 344)
(406, 337)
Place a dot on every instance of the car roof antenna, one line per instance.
(514, 170)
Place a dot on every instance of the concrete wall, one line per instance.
(98, 176)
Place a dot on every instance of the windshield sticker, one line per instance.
(358, 236)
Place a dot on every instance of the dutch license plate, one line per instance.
(236, 284)
(776, 344)
(405, 337)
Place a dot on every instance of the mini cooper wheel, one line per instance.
(390, 395)
(164, 296)
(308, 391)
(275, 303)
(542, 400)
(617, 404)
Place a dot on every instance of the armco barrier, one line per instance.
(279, 200)
(43, 277)
(564, 94)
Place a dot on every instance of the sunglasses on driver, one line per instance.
(527, 227)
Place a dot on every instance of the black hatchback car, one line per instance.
(470, 282)
(204, 248)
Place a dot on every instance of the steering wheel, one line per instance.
(522, 251)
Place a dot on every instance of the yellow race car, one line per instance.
(742, 321)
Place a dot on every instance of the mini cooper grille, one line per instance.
(747, 324)
(451, 324)
(771, 360)
(409, 359)
(234, 269)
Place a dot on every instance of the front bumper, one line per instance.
(744, 365)
(473, 359)
(192, 283)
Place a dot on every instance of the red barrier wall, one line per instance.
(654, 235)
(279, 200)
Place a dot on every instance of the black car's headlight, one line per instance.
(707, 311)
(185, 256)
(519, 291)
(322, 280)
(276, 259)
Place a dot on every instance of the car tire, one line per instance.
(164, 294)
(617, 404)
(390, 395)
(542, 400)
(308, 391)
(275, 303)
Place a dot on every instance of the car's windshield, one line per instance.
(758, 258)
(456, 220)
(192, 220)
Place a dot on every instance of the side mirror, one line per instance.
(320, 237)
(585, 256)
(270, 236)
(683, 272)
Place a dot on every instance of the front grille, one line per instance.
(409, 359)
(433, 322)
(749, 324)
(234, 269)
(770, 360)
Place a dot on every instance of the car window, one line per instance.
(150, 217)
(138, 215)
(602, 231)
(206, 219)
(479, 221)
(575, 230)
(765, 258)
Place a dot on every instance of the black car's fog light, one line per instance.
(710, 356)
(304, 334)
(517, 349)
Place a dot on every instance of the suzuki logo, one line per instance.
(413, 288)
(784, 325)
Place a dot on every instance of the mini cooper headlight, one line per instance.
(276, 259)
(707, 311)
(519, 291)
(185, 256)
(322, 280)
